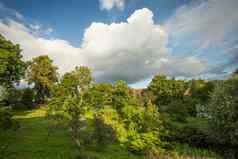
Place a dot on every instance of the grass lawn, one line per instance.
(31, 141)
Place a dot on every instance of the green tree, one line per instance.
(223, 112)
(163, 90)
(103, 133)
(99, 95)
(42, 73)
(13, 97)
(122, 96)
(222, 115)
(201, 89)
(77, 80)
(12, 67)
(152, 119)
(69, 100)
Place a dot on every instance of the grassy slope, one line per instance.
(31, 141)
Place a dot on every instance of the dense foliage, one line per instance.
(163, 90)
(12, 66)
(222, 114)
(42, 74)
(18, 98)
(108, 113)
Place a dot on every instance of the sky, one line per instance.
(130, 40)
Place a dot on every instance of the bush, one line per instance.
(183, 124)
(18, 98)
(103, 133)
(143, 142)
(12, 97)
(28, 97)
(6, 121)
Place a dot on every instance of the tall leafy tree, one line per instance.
(200, 89)
(163, 90)
(99, 95)
(12, 67)
(121, 94)
(222, 112)
(43, 74)
(222, 115)
(77, 80)
(69, 97)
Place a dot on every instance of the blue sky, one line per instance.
(131, 40)
(70, 18)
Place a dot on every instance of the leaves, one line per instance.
(42, 73)
(12, 67)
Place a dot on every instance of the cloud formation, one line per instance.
(132, 51)
(33, 45)
(110, 4)
(206, 26)
(208, 21)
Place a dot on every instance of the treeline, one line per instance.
(201, 114)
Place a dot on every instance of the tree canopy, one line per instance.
(12, 67)
(43, 75)
(163, 90)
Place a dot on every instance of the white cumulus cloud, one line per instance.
(59, 50)
(110, 4)
(132, 50)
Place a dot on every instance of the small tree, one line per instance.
(68, 101)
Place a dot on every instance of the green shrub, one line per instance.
(27, 98)
(18, 98)
(103, 132)
(12, 97)
(142, 142)
(6, 121)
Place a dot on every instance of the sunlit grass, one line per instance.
(32, 140)
(41, 112)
